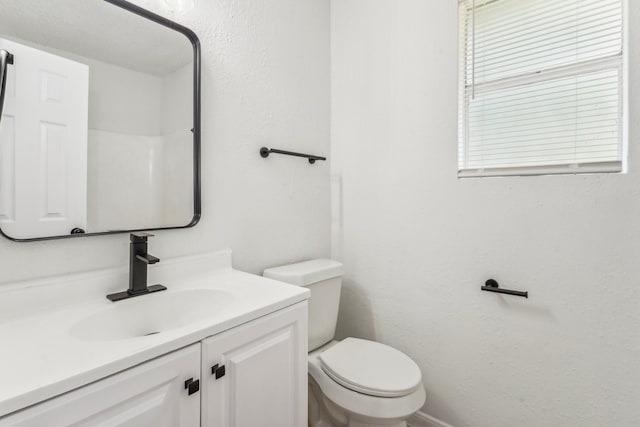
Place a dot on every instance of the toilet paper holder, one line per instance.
(492, 285)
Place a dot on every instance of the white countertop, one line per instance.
(40, 358)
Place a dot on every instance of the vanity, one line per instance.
(219, 347)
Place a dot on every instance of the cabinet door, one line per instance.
(150, 395)
(261, 379)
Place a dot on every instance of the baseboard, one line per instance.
(420, 419)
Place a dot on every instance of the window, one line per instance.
(541, 87)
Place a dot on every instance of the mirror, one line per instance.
(100, 124)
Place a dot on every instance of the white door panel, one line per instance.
(44, 131)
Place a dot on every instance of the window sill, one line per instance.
(573, 169)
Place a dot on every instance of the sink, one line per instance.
(151, 314)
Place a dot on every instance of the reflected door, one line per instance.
(43, 144)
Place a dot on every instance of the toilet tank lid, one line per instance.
(305, 273)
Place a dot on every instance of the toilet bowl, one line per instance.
(363, 397)
(353, 382)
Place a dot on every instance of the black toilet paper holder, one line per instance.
(492, 285)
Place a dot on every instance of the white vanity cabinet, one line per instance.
(260, 381)
(255, 375)
(151, 394)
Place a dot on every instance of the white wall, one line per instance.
(177, 100)
(122, 100)
(417, 242)
(265, 81)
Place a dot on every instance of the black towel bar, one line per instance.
(264, 152)
(493, 286)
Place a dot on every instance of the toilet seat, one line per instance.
(359, 403)
(371, 368)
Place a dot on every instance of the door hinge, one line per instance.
(218, 371)
(192, 386)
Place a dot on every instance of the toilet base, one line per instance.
(325, 413)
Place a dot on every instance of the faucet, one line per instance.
(139, 258)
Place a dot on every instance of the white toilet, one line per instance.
(353, 382)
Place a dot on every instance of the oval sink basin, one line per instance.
(151, 314)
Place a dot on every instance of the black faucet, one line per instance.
(138, 261)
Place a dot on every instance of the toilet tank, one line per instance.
(323, 277)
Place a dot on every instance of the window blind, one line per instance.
(540, 86)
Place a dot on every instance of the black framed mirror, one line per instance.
(100, 126)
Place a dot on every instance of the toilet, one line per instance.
(353, 382)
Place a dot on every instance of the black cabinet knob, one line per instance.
(218, 371)
(192, 386)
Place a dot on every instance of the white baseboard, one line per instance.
(420, 419)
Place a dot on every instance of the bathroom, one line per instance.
(373, 86)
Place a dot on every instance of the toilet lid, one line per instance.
(371, 368)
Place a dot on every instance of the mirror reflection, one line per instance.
(96, 133)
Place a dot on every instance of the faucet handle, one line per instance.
(148, 259)
(139, 237)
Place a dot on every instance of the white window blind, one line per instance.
(540, 87)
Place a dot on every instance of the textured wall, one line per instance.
(417, 243)
(265, 81)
